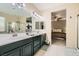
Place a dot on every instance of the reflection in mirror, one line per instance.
(42, 25)
(12, 23)
(2, 24)
(17, 26)
(12, 19)
(39, 25)
(12, 27)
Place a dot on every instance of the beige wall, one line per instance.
(22, 20)
(71, 28)
(47, 19)
(71, 24)
(8, 17)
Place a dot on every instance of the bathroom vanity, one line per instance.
(14, 25)
(25, 46)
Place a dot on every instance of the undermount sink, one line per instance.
(30, 34)
(17, 36)
(23, 35)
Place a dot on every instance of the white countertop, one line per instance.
(8, 38)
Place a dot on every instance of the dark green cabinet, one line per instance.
(26, 47)
(36, 48)
(37, 40)
(43, 38)
(27, 50)
(37, 43)
(15, 52)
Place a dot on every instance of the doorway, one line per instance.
(58, 25)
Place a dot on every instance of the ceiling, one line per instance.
(10, 9)
(59, 15)
(46, 6)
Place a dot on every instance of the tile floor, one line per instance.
(42, 51)
(57, 49)
(59, 42)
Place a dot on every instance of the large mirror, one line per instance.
(2, 24)
(39, 25)
(12, 18)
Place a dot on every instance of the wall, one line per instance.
(71, 29)
(8, 17)
(71, 23)
(47, 20)
(22, 20)
(59, 25)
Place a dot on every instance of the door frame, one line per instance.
(77, 30)
(52, 25)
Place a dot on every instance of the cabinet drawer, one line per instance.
(36, 42)
(36, 48)
(43, 38)
(15, 52)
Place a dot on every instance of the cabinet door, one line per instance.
(43, 38)
(36, 41)
(15, 52)
(36, 48)
(27, 49)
